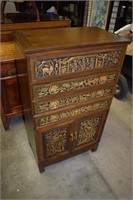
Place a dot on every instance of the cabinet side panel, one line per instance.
(25, 99)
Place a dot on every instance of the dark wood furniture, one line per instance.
(10, 98)
(7, 29)
(3, 4)
(67, 87)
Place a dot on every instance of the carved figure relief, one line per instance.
(55, 141)
(41, 107)
(48, 89)
(88, 130)
(71, 113)
(61, 66)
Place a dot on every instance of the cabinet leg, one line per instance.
(4, 119)
(94, 148)
(41, 168)
(5, 124)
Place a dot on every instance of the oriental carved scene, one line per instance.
(55, 141)
(48, 89)
(49, 119)
(60, 66)
(88, 130)
(59, 103)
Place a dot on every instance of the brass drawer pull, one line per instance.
(73, 136)
(76, 137)
(12, 72)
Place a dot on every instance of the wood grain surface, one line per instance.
(65, 38)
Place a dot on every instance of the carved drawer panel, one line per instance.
(66, 65)
(73, 85)
(49, 119)
(59, 103)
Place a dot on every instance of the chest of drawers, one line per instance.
(67, 87)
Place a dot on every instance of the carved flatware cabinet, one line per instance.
(67, 87)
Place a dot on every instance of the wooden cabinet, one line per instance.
(70, 79)
(10, 97)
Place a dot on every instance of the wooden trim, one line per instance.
(33, 25)
(7, 29)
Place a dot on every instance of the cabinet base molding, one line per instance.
(42, 166)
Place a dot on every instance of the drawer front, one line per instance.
(8, 69)
(49, 119)
(65, 65)
(44, 106)
(73, 85)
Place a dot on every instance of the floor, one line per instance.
(105, 174)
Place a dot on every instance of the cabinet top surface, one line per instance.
(65, 38)
(8, 51)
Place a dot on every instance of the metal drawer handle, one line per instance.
(12, 72)
(76, 137)
(73, 136)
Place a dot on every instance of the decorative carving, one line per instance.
(55, 141)
(45, 68)
(41, 107)
(61, 66)
(48, 89)
(71, 113)
(88, 130)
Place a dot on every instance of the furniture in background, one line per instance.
(74, 10)
(7, 29)
(3, 4)
(67, 88)
(10, 99)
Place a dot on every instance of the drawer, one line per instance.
(73, 100)
(69, 114)
(8, 69)
(43, 69)
(73, 85)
